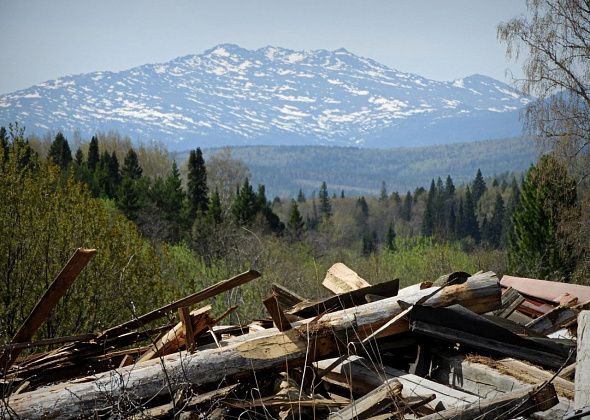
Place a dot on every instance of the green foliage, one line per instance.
(478, 187)
(93, 154)
(45, 217)
(325, 205)
(295, 225)
(390, 237)
(536, 248)
(131, 167)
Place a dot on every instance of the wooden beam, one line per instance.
(582, 381)
(187, 324)
(276, 313)
(45, 305)
(209, 292)
(511, 300)
(267, 349)
(372, 403)
(341, 279)
(507, 406)
(554, 320)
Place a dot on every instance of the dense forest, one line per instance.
(359, 171)
(163, 228)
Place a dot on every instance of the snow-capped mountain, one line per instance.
(230, 95)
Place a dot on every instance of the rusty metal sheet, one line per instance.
(550, 291)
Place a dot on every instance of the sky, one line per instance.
(443, 40)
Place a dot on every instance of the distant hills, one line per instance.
(360, 171)
(271, 96)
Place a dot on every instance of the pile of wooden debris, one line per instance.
(465, 346)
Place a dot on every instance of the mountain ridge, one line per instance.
(230, 95)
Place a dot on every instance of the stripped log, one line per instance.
(507, 406)
(48, 301)
(266, 349)
(341, 279)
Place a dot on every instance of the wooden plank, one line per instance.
(49, 342)
(48, 301)
(341, 279)
(209, 292)
(511, 300)
(553, 321)
(372, 403)
(582, 381)
(507, 406)
(187, 325)
(175, 338)
(267, 349)
(276, 313)
(286, 297)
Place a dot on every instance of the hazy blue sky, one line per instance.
(442, 40)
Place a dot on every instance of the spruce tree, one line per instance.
(341, 194)
(93, 154)
(325, 205)
(60, 153)
(245, 205)
(3, 142)
(479, 187)
(197, 182)
(295, 225)
(79, 157)
(497, 222)
(114, 173)
(428, 220)
(406, 209)
(390, 237)
(301, 196)
(215, 211)
(536, 247)
(470, 224)
(131, 166)
(383, 192)
(128, 198)
(449, 187)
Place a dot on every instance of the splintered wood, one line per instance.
(362, 353)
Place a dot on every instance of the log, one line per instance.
(582, 381)
(48, 301)
(508, 406)
(341, 279)
(209, 292)
(265, 349)
(372, 403)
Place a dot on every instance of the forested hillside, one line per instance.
(285, 170)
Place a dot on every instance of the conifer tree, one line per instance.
(406, 209)
(479, 187)
(93, 154)
(79, 157)
(390, 237)
(449, 187)
(295, 224)
(428, 220)
(114, 173)
(245, 205)
(383, 192)
(215, 211)
(128, 198)
(460, 221)
(497, 222)
(537, 248)
(470, 224)
(197, 182)
(131, 167)
(452, 222)
(3, 141)
(341, 193)
(60, 153)
(369, 243)
(325, 205)
(301, 196)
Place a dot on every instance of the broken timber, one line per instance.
(341, 279)
(262, 350)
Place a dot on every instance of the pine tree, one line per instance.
(60, 153)
(390, 237)
(537, 248)
(301, 196)
(131, 166)
(93, 155)
(295, 224)
(325, 205)
(197, 183)
(479, 187)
